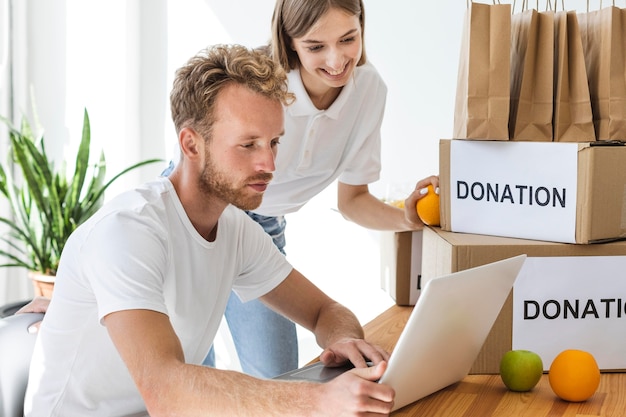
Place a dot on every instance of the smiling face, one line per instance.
(329, 51)
(239, 158)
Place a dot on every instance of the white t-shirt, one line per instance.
(140, 251)
(320, 146)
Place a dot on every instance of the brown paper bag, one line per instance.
(603, 34)
(532, 76)
(573, 119)
(482, 97)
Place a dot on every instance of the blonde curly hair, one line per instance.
(198, 83)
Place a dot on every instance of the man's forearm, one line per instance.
(228, 393)
(335, 323)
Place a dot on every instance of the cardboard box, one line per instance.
(400, 265)
(553, 191)
(446, 252)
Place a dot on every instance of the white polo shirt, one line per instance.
(320, 146)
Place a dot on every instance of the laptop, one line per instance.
(444, 334)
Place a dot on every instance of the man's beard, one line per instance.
(216, 183)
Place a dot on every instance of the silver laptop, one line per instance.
(444, 334)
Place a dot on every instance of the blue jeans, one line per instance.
(266, 342)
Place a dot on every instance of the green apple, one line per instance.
(521, 370)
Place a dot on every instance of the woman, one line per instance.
(332, 132)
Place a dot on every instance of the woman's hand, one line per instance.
(421, 189)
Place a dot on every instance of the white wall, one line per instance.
(417, 57)
(118, 57)
(413, 44)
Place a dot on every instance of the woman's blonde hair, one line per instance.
(198, 83)
(294, 18)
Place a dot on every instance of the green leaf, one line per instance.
(47, 205)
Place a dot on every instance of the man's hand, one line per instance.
(356, 393)
(357, 351)
(37, 305)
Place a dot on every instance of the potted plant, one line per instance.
(46, 205)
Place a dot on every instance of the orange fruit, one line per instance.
(574, 375)
(428, 208)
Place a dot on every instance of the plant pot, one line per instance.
(42, 284)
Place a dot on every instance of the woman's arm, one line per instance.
(358, 205)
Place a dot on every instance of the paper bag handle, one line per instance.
(612, 2)
(525, 5)
(468, 2)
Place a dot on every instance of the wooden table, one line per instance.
(486, 395)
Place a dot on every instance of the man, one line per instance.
(142, 285)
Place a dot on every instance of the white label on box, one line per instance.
(572, 303)
(514, 189)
